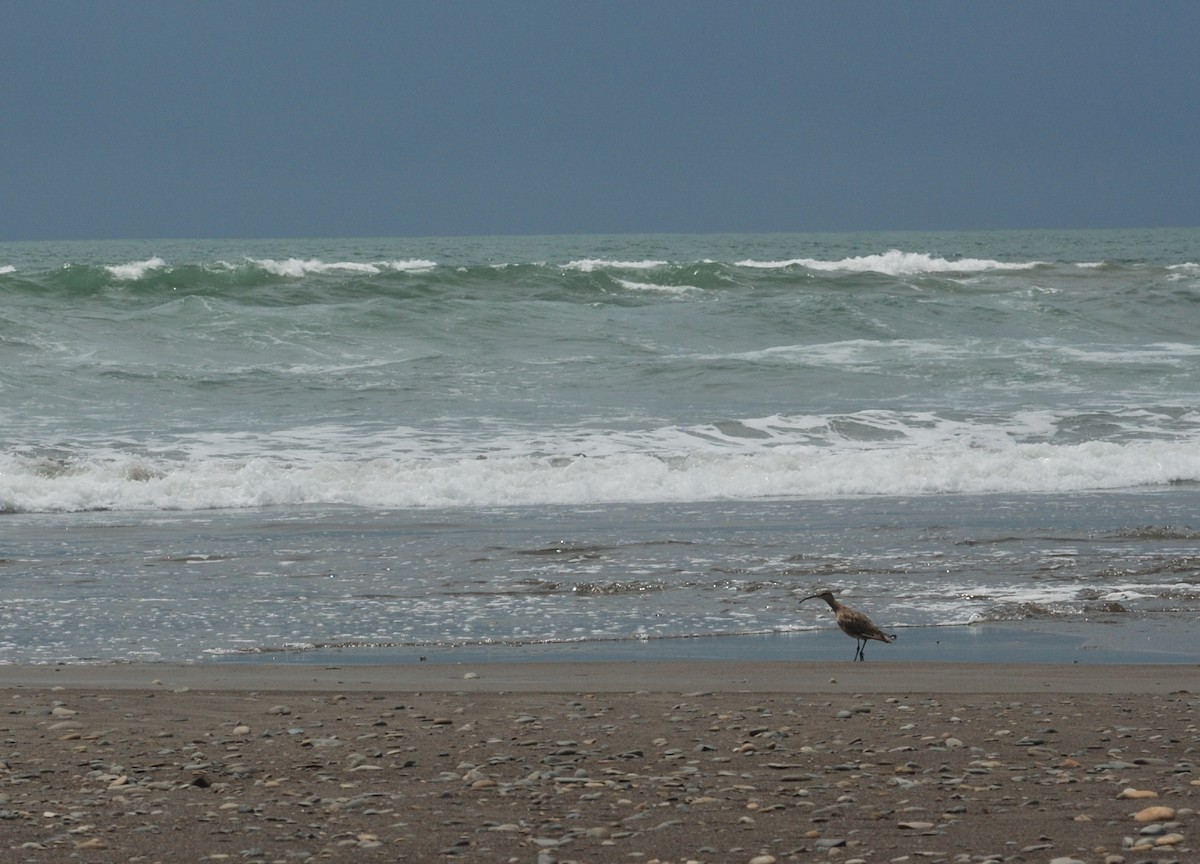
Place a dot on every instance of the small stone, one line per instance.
(762, 859)
(830, 843)
(1154, 814)
(1066, 860)
(1171, 839)
(1137, 793)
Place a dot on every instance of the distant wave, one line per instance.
(646, 286)
(158, 272)
(136, 269)
(896, 263)
(589, 265)
(296, 267)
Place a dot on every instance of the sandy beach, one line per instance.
(550, 763)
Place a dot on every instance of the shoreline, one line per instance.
(1146, 641)
(1151, 641)
(777, 677)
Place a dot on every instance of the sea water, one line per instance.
(213, 449)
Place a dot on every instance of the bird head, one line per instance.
(827, 596)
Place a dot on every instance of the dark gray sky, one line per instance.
(209, 118)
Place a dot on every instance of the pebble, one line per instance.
(1137, 793)
(830, 843)
(1154, 814)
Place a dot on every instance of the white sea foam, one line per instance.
(717, 464)
(647, 286)
(1180, 272)
(298, 267)
(136, 269)
(415, 265)
(1170, 353)
(852, 352)
(895, 263)
(588, 265)
(8, 268)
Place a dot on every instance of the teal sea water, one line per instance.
(224, 448)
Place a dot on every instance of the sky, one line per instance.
(257, 118)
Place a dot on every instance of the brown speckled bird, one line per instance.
(853, 623)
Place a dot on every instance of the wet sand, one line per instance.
(550, 763)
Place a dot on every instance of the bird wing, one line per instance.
(861, 627)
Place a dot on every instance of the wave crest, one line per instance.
(894, 262)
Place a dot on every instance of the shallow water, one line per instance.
(191, 586)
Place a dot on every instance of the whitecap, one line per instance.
(415, 265)
(665, 289)
(299, 267)
(895, 263)
(588, 265)
(136, 269)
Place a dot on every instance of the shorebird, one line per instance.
(853, 623)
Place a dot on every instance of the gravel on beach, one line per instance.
(163, 773)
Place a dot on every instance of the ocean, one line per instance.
(542, 447)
